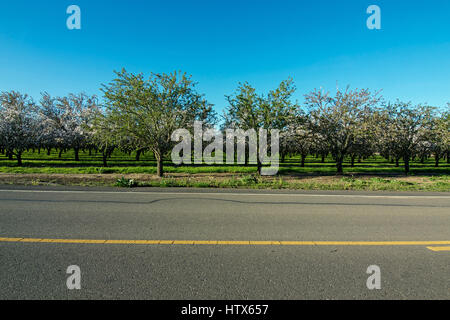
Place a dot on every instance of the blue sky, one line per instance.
(222, 42)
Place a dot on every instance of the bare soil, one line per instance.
(96, 179)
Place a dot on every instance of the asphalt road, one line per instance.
(301, 259)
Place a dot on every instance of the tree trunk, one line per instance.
(448, 156)
(247, 153)
(323, 158)
(77, 154)
(397, 162)
(19, 159)
(436, 160)
(406, 159)
(138, 155)
(353, 161)
(259, 166)
(303, 161)
(60, 153)
(105, 159)
(160, 165)
(49, 151)
(339, 166)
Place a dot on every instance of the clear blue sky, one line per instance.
(221, 42)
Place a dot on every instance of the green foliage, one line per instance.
(126, 183)
(148, 111)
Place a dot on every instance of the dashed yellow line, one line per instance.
(439, 248)
(431, 244)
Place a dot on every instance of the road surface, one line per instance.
(211, 244)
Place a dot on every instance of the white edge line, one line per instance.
(228, 194)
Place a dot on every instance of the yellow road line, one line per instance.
(431, 244)
(439, 248)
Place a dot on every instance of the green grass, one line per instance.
(124, 164)
(251, 182)
(374, 173)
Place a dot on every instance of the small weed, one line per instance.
(126, 183)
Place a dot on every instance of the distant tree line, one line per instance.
(140, 114)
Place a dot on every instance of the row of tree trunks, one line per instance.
(160, 166)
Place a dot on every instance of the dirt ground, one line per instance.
(98, 179)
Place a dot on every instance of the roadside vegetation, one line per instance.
(374, 173)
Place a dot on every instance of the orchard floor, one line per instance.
(374, 173)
